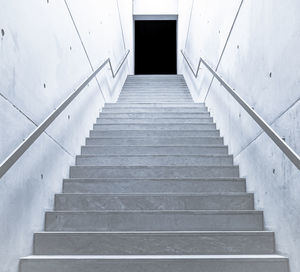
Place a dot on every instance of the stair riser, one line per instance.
(81, 202)
(154, 99)
(154, 115)
(155, 110)
(103, 120)
(119, 186)
(155, 92)
(156, 141)
(154, 96)
(172, 265)
(155, 105)
(154, 150)
(147, 84)
(167, 100)
(167, 83)
(153, 243)
(153, 160)
(167, 172)
(154, 221)
(158, 85)
(155, 127)
(155, 88)
(155, 133)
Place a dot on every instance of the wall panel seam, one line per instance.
(35, 124)
(271, 123)
(224, 48)
(82, 44)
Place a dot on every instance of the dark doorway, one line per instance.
(155, 47)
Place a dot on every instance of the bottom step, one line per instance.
(195, 263)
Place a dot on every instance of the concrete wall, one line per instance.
(157, 7)
(261, 61)
(47, 48)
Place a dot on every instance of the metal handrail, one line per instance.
(20, 150)
(286, 149)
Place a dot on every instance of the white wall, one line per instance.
(157, 7)
(41, 46)
(261, 61)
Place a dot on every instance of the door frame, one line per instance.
(153, 17)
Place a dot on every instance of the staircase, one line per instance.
(154, 190)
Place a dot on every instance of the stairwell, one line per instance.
(154, 189)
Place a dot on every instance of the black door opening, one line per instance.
(155, 47)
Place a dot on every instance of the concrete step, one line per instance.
(133, 202)
(136, 126)
(140, 186)
(152, 81)
(155, 105)
(155, 94)
(168, 83)
(103, 120)
(155, 91)
(154, 221)
(155, 98)
(135, 99)
(154, 115)
(144, 82)
(155, 110)
(161, 141)
(153, 243)
(153, 160)
(123, 263)
(155, 133)
(155, 87)
(156, 84)
(167, 172)
(165, 100)
(155, 150)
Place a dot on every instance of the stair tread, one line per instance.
(271, 257)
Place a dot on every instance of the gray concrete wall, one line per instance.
(261, 61)
(46, 50)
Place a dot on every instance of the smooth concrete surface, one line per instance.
(148, 220)
(42, 62)
(155, 7)
(154, 115)
(167, 172)
(154, 120)
(153, 185)
(162, 126)
(154, 133)
(100, 202)
(192, 263)
(153, 243)
(155, 150)
(260, 62)
(155, 141)
(153, 160)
